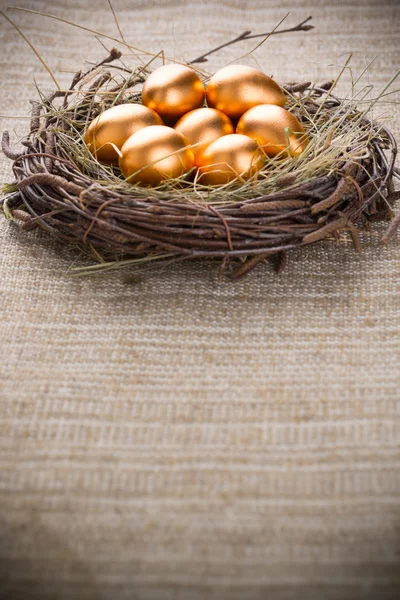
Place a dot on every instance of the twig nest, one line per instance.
(228, 158)
(275, 129)
(236, 88)
(344, 178)
(173, 90)
(113, 127)
(202, 126)
(154, 154)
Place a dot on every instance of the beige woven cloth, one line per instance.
(181, 439)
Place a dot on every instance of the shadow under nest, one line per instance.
(343, 179)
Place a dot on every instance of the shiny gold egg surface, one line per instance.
(202, 126)
(229, 157)
(173, 90)
(154, 154)
(275, 129)
(115, 126)
(236, 88)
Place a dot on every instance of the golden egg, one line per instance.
(154, 154)
(202, 126)
(173, 90)
(229, 157)
(275, 129)
(236, 88)
(114, 126)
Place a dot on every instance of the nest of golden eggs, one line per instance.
(176, 164)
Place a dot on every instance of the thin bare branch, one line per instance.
(248, 35)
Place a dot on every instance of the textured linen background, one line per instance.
(180, 439)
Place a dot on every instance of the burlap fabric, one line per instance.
(182, 439)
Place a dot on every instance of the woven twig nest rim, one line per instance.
(344, 178)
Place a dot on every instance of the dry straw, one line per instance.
(342, 180)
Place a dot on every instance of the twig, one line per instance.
(322, 233)
(5, 146)
(247, 35)
(391, 230)
(247, 266)
(278, 261)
